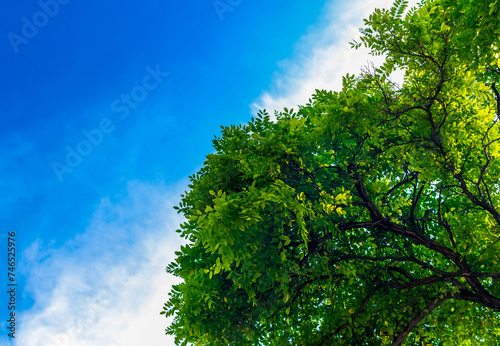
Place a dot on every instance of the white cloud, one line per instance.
(323, 56)
(107, 286)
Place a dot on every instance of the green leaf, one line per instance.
(389, 192)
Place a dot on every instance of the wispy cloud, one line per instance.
(107, 285)
(323, 56)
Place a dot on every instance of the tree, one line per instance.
(370, 216)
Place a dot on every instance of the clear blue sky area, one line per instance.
(97, 94)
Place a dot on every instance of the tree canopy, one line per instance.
(368, 216)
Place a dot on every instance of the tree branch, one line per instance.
(497, 94)
(415, 320)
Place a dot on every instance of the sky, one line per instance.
(105, 110)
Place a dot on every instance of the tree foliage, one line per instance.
(370, 216)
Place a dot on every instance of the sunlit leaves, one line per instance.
(368, 213)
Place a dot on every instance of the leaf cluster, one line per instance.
(369, 216)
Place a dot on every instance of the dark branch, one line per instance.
(497, 94)
(415, 320)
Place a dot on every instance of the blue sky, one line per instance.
(105, 110)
